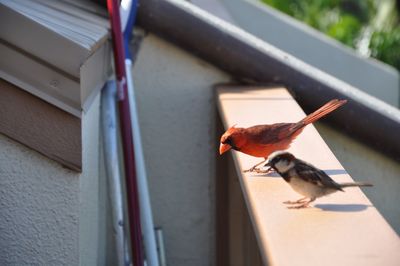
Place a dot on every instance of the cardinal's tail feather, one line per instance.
(356, 184)
(323, 111)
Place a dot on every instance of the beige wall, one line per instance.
(39, 214)
(177, 114)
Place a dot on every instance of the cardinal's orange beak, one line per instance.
(224, 148)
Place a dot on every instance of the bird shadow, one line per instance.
(262, 98)
(342, 207)
(329, 172)
(335, 171)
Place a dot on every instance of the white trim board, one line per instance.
(59, 54)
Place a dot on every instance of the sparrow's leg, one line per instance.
(302, 200)
(304, 205)
(254, 168)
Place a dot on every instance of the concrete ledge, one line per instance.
(341, 229)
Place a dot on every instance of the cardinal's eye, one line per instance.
(227, 141)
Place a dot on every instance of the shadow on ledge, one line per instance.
(328, 172)
(342, 207)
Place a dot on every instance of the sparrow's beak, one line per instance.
(268, 164)
(224, 148)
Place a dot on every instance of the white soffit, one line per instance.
(56, 50)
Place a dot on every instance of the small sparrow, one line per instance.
(305, 179)
(262, 140)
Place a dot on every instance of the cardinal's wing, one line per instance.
(270, 134)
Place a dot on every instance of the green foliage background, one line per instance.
(346, 20)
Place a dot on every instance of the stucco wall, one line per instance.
(177, 114)
(39, 214)
(49, 214)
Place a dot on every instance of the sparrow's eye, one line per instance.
(275, 160)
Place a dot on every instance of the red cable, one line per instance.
(126, 133)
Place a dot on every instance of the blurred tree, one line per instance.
(385, 46)
(346, 21)
(346, 30)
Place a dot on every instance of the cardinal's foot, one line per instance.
(259, 170)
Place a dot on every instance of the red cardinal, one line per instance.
(262, 140)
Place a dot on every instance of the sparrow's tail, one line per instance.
(356, 184)
(323, 111)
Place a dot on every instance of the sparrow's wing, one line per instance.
(315, 175)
